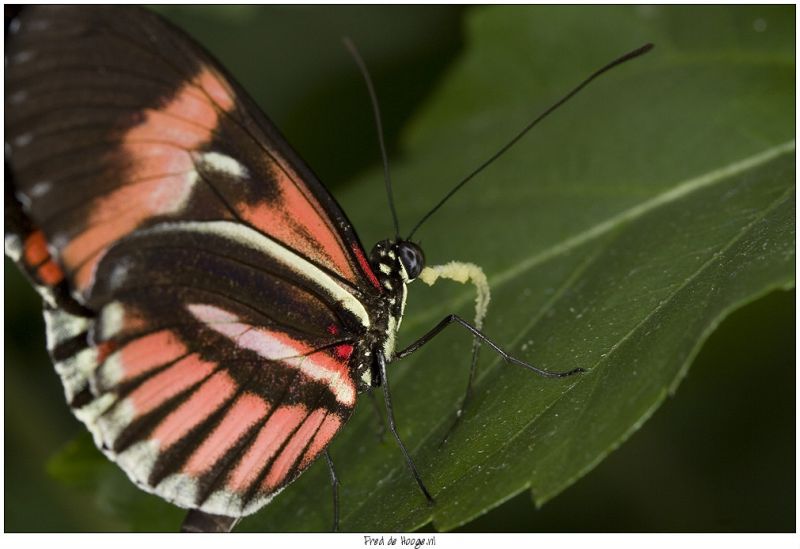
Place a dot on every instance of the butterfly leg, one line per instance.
(479, 338)
(378, 416)
(393, 427)
(463, 272)
(335, 487)
(476, 344)
(446, 321)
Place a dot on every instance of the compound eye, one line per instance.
(412, 258)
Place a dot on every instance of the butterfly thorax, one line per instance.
(395, 263)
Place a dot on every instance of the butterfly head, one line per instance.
(411, 259)
(397, 258)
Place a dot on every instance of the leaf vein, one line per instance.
(616, 346)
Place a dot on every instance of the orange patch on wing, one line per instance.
(50, 273)
(119, 214)
(275, 431)
(323, 437)
(216, 87)
(161, 172)
(36, 254)
(169, 383)
(296, 220)
(156, 160)
(36, 248)
(180, 124)
(291, 452)
(203, 402)
(149, 352)
(248, 410)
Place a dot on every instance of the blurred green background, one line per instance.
(713, 458)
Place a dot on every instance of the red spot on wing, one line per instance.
(365, 266)
(291, 452)
(203, 402)
(343, 351)
(275, 431)
(243, 414)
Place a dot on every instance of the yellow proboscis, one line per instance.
(463, 272)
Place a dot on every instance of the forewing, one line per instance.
(116, 120)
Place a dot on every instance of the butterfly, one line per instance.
(210, 310)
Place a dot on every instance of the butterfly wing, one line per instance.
(203, 290)
(215, 384)
(161, 133)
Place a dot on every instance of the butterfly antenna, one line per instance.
(627, 57)
(376, 111)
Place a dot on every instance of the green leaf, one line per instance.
(615, 237)
(79, 464)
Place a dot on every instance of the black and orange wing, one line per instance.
(204, 293)
(116, 120)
